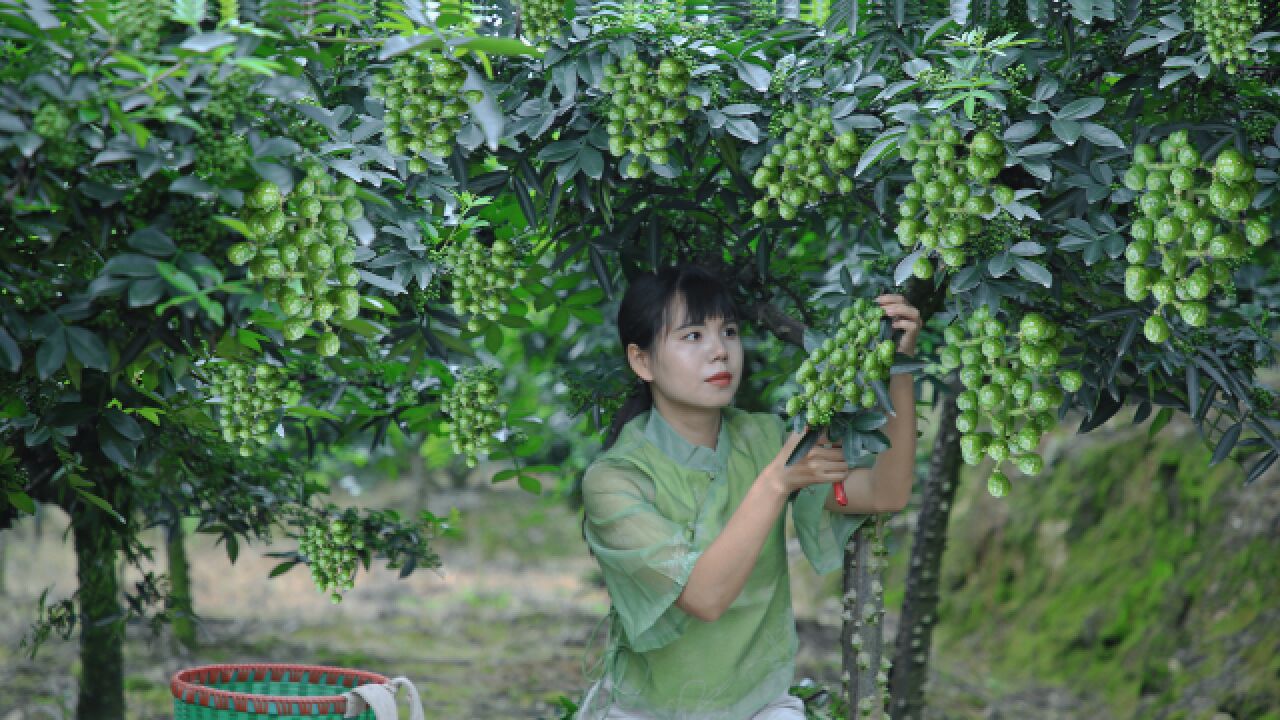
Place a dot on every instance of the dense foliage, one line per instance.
(284, 227)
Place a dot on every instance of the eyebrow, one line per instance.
(691, 324)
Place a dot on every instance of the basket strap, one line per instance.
(382, 700)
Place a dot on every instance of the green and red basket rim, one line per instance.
(186, 687)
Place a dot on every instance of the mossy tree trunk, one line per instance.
(920, 604)
(101, 619)
(862, 634)
(181, 609)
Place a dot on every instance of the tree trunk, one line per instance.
(183, 623)
(101, 620)
(862, 635)
(920, 605)
(2, 547)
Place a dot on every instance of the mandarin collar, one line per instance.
(695, 457)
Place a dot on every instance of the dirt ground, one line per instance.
(501, 631)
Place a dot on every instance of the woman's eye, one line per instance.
(731, 331)
(695, 332)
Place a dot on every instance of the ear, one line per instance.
(639, 361)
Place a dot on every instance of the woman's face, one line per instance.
(687, 357)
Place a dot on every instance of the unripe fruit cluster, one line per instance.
(840, 370)
(1194, 221)
(51, 122)
(301, 249)
(252, 398)
(1227, 26)
(1007, 388)
(541, 19)
(483, 276)
(645, 108)
(474, 412)
(808, 163)
(332, 554)
(220, 157)
(944, 203)
(425, 106)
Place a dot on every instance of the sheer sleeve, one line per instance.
(645, 557)
(822, 533)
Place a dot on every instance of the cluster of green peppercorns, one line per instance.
(483, 276)
(252, 397)
(838, 371)
(540, 19)
(1227, 26)
(425, 106)
(221, 156)
(808, 163)
(332, 555)
(1007, 384)
(944, 203)
(474, 412)
(1193, 225)
(645, 108)
(301, 249)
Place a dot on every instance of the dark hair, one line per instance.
(645, 314)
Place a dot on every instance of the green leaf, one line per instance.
(493, 338)
(204, 42)
(1081, 108)
(191, 12)
(181, 281)
(88, 348)
(1162, 418)
(310, 412)
(1099, 135)
(51, 354)
(530, 484)
(102, 504)
(123, 424)
(22, 501)
(10, 354)
(1225, 444)
(1033, 271)
(507, 474)
(282, 568)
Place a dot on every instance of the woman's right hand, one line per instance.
(819, 465)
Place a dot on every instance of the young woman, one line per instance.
(684, 513)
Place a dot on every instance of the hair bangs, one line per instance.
(703, 299)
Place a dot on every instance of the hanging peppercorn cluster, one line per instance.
(1195, 223)
(540, 20)
(332, 554)
(808, 163)
(483, 276)
(840, 370)
(475, 414)
(53, 123)
(251, 400)
(1227, 26)
(301, 249)
(944, 203)
(425, 106)
(645, 107)
(1014, 384)
(863, 608)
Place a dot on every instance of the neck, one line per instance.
(697, 425)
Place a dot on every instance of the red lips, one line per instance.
(723, 379)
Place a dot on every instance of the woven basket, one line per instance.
(266, 690)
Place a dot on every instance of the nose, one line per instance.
(719, 349)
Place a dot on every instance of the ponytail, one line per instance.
(638, 402)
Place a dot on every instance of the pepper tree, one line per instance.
(1081, 233)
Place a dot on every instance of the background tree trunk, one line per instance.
(862, 636)
(920, 604)
(184, 626)
(101, 620)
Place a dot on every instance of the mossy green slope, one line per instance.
(1130, 571)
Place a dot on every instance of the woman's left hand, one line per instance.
(905, 317)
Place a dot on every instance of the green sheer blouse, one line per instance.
(653, 503)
